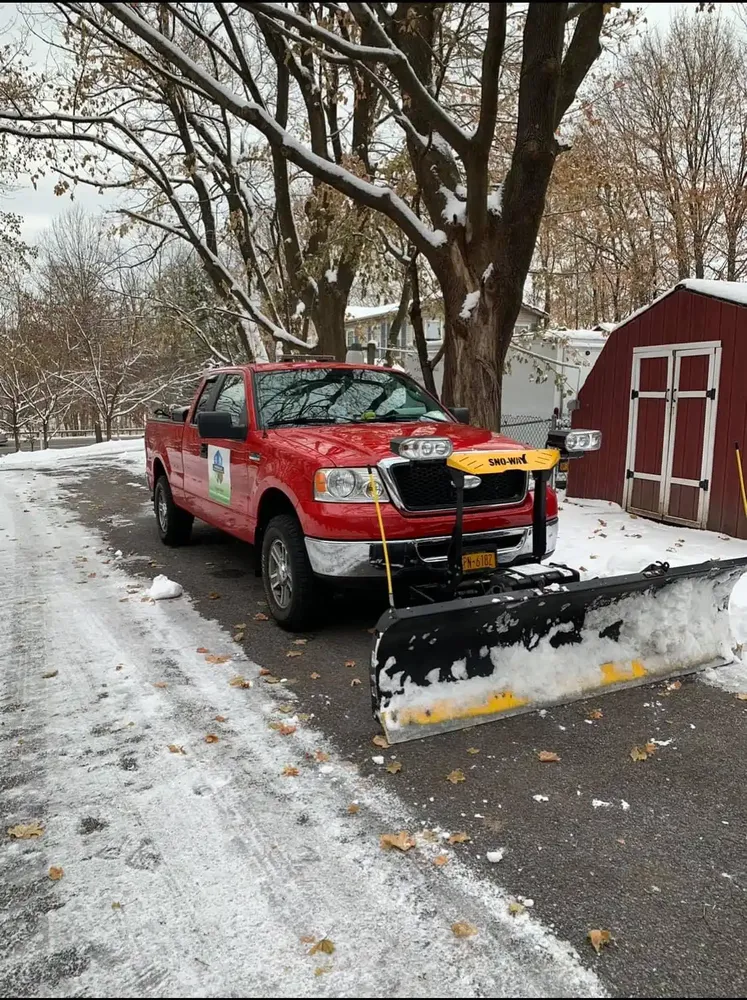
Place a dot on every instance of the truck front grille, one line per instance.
(427, 486)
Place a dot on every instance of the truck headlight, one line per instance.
(422, 449)
(348, 486)
(574, 442)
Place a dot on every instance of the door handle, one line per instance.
(203, 451)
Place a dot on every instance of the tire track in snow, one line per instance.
(220, 864)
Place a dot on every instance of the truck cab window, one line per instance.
(203, 403)
(232, 399)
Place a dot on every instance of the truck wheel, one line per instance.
(174, 523)
(291, 589)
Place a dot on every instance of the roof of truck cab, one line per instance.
(279, 366)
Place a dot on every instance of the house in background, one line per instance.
(544, 372)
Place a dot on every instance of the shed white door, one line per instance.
(671, 431)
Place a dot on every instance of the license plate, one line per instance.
(473, 561)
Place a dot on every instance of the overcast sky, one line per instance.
(38, 208)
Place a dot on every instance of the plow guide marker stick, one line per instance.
(457, 663)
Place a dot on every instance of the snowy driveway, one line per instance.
(212, 871)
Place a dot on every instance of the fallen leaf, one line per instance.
(264, 672)
(430, 836)
(116, 906)
(275, 725)
(239, 682)
(160, 684)
(355, 682)
(595, 713)
(315, 676)
(50, 674)
(676, 685)
(285, 709)
(516, 909)
(548, 757)
(598, 939)
(239, 637)
(123, 600)
(201, 649)
(321, 757)
(91, 576)
(217, 659)
(456, 776)
(638, 753)
(119, 666)
(261, 617)
(55, 873)
(402, 841)
(214, 596)
(463, 929)
(395, 767)
(303, 717)
(175, 748)
(290, 772)
(380, 741)
(472, 750)
(441, 860)
(354, 808)
(300, 642)
(742, 696)
(211, 738)
(650, 748)
(26, 831)
(459, 838)
(349, 663)
(293, 653)
(287, 730)
(323, 947)
(271, 680)
(308, 939)
(320, 970)
(220, 718)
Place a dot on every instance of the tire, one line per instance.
(174, 523)
(291, 589)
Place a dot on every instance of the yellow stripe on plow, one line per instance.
(618, 673)
(445, 710)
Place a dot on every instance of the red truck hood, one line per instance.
(363, 444)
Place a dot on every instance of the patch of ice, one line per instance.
(164, 589)
(540, 798)
(378, 759)
(495, 856)
(600, 804)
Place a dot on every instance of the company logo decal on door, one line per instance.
(219, 474)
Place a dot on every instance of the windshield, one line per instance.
(341, 396)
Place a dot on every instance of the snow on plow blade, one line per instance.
(458, 663)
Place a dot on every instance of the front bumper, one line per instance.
(363, 559)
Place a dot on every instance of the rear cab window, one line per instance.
(206, 396)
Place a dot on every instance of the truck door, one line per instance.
(194, 455)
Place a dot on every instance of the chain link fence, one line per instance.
(527, 430)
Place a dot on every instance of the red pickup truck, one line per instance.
(281, 456)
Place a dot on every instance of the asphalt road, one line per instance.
(661, 862)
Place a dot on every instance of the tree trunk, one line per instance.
(329, 318)
(396, 327)
(97, 431)
(108, 427)
(45, 433)
(421, 344)
(480, 334)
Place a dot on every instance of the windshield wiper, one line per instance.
(297, 421)
(388, 418)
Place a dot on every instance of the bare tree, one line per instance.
(479, 243)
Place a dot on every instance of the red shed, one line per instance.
(669, 393)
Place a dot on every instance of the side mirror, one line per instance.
(179, 414)
(217, 424)
(461, 413)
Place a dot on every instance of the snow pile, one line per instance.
(455, 209)
(495, 201)
(331, 275)
(470, 301)
(164, 589)
(47, 458)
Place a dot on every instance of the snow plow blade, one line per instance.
(462, 662)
